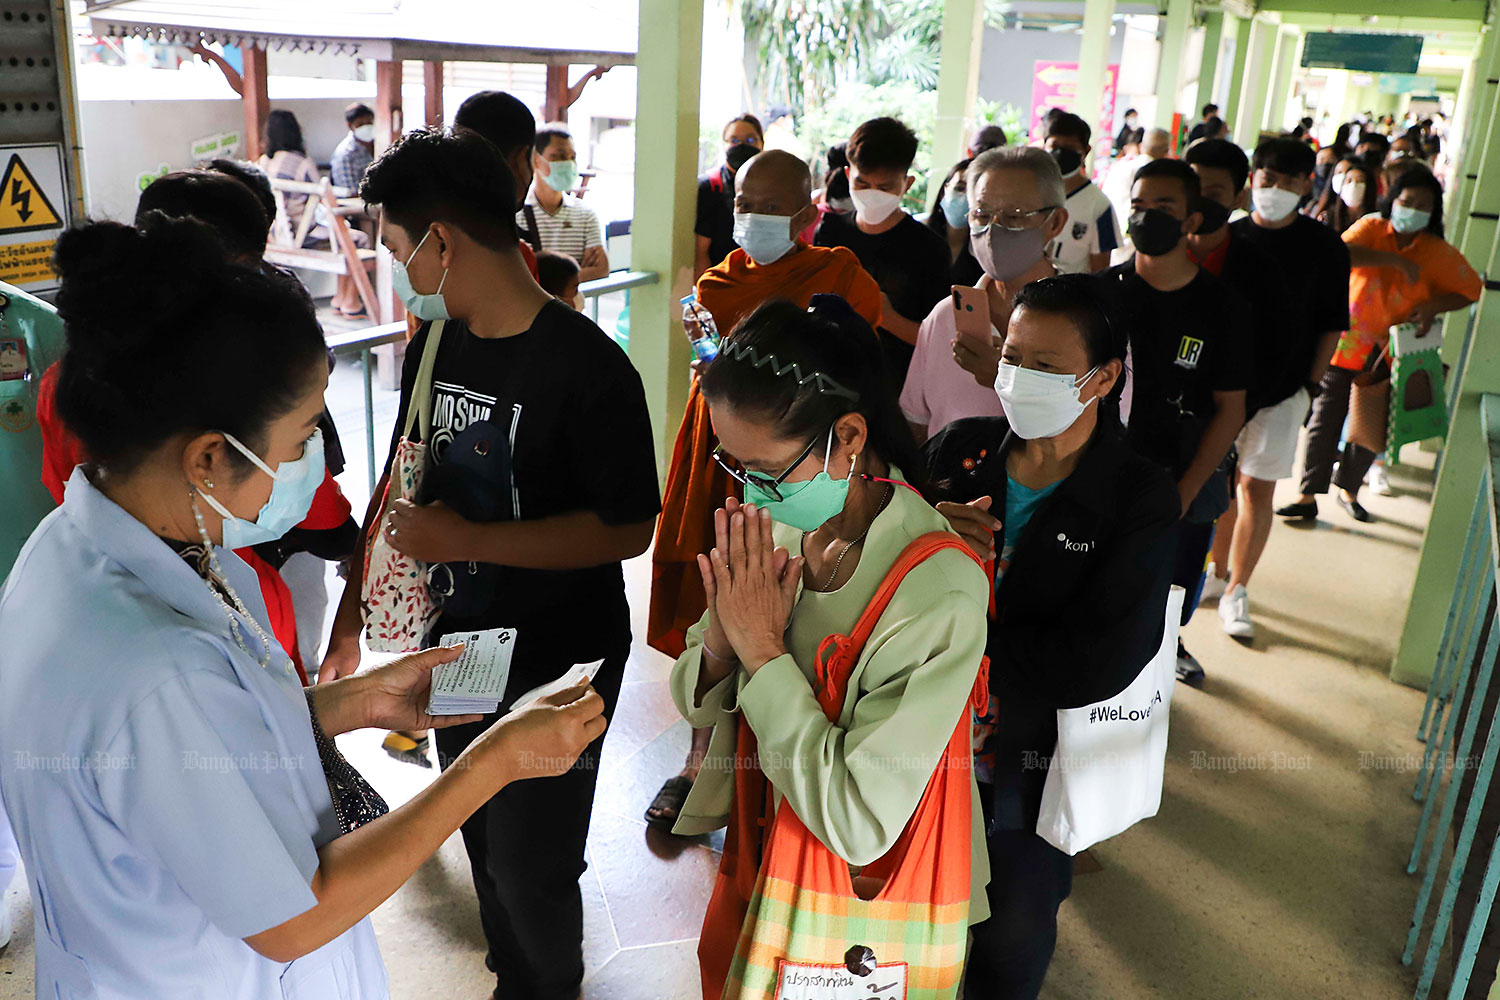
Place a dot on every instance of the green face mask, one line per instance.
(807, 505)
(564, 176)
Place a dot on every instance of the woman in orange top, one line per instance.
(1404, 272)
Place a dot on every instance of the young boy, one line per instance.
(557, 273)
(1091, 234)
(577, 494)
(908, 261)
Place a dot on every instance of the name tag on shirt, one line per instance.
(813, 981)
(13, 364)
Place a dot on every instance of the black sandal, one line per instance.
(668, 803)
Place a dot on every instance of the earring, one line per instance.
(208, 484)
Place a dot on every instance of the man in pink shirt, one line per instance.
(1016, 200)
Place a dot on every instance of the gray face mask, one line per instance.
(1007, 253)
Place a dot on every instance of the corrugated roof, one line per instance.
(599, 32)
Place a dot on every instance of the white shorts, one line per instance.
(1268, 444)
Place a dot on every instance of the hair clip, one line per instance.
(823, 384)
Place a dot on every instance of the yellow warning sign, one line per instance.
(23, 206)
(27, 263)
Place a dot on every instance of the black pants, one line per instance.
(526, 850)
(1324, 428)
(1193, 544)
(1029, 879)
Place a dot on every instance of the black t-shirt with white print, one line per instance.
(571, 407)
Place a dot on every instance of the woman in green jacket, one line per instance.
(801, 402)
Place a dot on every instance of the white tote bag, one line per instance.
(1106, 772)
(395, 603)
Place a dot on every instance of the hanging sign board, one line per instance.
(1365, 52)
(33, 212)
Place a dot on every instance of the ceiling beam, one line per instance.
(1470, 11)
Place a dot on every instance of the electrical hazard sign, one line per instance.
(33, 212)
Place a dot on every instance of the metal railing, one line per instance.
(362, 342)
(1457, 693)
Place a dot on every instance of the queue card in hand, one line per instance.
(475, 682)
(579, 672)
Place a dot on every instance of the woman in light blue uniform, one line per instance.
(188, 828)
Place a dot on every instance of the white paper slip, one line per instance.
(475, 682)
(567, 680)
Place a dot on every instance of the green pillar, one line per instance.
(1244, 33)
(958, 85)
(1251, 110)
(1478, 138)
(1169, 73)
(669, 62)
(1093, 62)
(1288, 48)
(1213, 41)
(1455, 212)
(1458, 479)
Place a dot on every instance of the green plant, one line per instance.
(808, 48)
(911, 40)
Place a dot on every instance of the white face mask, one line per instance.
(1040, 404)
(1273, 203)
(873, 207)
(766, 238)
(1353, 194)
(1337, 183)
(365, 133)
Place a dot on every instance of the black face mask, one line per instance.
(1068, 160)
(739, 154)
(1215, 216)
(1154, 232)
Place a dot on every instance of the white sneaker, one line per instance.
(1378, 481)
(1213, 585)
(1234, 613)
(4, 922)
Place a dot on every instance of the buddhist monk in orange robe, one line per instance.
(773, 183)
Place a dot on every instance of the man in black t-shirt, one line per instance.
(713, 227)
(1190, 365)
(541, 478)
(908, 261)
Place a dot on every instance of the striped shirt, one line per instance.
(572, 230)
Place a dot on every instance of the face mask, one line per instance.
(766, 238)
(1154, 232)
(1273, 203)
(429, 307)
(807, 505)
(874, 207)
(1068, 161)
(564, 176)
(739, 154)
(1007, 253)
(1039, 404)
(365, 133)
(843, 206)
(1337, 183)
(1353, 194)
(956, 209)
(1215, 216)
(291, 496)
(1409, 220)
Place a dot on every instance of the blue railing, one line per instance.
(1461, 679)
(362, 342)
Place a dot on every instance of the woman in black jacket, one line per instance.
(1084, 563)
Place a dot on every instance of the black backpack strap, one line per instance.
(531, 234)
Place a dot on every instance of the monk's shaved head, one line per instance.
(773, 183)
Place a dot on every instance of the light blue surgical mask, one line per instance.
(429, 307)
(766, 238)
(807, 505)
(294, 484)
(1409, 220)
(956, 209)
(564, 176)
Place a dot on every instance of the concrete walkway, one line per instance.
(1275, 868)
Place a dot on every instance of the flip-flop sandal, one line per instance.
(406, 749)
(668, 803)
(361, 313)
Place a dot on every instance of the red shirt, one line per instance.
(62, 452)
(1214, 262)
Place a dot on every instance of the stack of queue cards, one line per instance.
(474, 683)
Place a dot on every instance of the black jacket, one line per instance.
(1081, 608)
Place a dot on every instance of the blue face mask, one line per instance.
(564, 176)
(429, 307)
(807, 505)
(956, 209)
(766, 238)
(1409, 220)
(291, 496)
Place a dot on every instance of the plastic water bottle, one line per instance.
(702, 332)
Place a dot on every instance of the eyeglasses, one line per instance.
(764, 483)
(1012, 219)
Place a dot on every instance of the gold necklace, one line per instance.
(889, 492)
